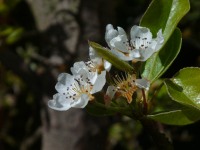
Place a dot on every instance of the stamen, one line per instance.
(125, 85)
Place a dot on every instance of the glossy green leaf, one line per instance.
(107, 55)
(180, 116)
(165, 15)
(170, 112)
(156, 65)
(184, 87)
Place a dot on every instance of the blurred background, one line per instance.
(40, 39)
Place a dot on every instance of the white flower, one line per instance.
(126, 86)
(76, 91)
(89, 74)
(140, 47)
(142, 41)
(98, 62)
(119, 44)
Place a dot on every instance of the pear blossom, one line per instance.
(126, 86)
(95, 64)
(142, 41)
(76, 91)
(140, 47)
(119, 44)
(90, 75)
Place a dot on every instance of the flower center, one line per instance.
(125, 86)
(79, 87)
(95, 65)
(141, 43)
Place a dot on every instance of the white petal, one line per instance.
(77, 67)
(145, 54)
(81, 102)
(120, 43)
(140, 36)
(61, 88)
(97, 61)
(92, 53)
(142, 83)
(159, 40)
(121, 55)
(65, 78)
(107, 65)
(111, 90)
(134, 54)
(64, 82)
(155, 45)
(110, 33)
(59, 102)
(109, 27)
(143, 32)
(92, 76)
(99, 83)
(160, 37)
(121, 31)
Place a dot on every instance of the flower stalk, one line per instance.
(145, 103)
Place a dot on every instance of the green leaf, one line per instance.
(180, 116)
(157, 64)
(165, 15)
(184, 87)
(107, 55)
(170, 112)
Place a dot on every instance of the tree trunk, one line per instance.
(67, 25)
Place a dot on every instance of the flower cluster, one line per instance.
(140, 47)
(77, 89)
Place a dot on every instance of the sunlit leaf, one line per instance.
(170, 112)
(180, 116)
(184, 87)
(165, 15)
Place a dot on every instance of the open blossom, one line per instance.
(126, 86)
(95, 64)
(119, 44)
(140, 47)
(141, 39)
(76, 91)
